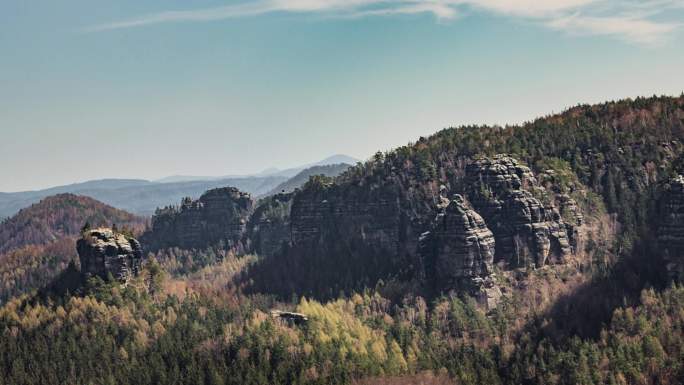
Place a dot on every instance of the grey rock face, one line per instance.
(289, 318)
(365, 229)
(501, 220)
(571, 212)
(573, 217)
(463, 245)
(527, 232)
(269, 225)
(671, 229)
(218, 216)
(102, 252)
(376, 220)
(500, 173)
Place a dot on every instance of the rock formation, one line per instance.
(460, 243)
(218, 217)
(527, 232)
(103, 252)
(462, 250)
(289, 318)
(572, 216)
(505, 217)
(391, 225)
(375, 218)
(269, 225)
(671, 228)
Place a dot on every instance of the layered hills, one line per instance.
(270, 172)
(142, 197)
(550, 252)
(298, 180)
(137, 196)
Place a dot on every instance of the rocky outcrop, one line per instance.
(103, 252)
(572, 216)
(390, 223)
(460, 244)
(269, 226)
(343, 237)
(671, 228)
(289, 318)
(217, 218)
(398, 225)
(461, 249)
(321, 209)
(527, 231)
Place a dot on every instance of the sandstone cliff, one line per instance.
(324, 208)
(527, 231)
(269, 226)
(671, 229)
(407, 230)
(217, 218)
(461, 246)
(103, 252)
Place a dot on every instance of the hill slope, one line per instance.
(269, 172)
(57, 217)
(541, 222)
(297, 181)
(38, 242)
(367, 225)
(137, 196)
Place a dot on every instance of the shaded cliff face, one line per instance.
(460, 244)
(325, 209)
(407, 231)
(269, 226)
(527, 231)
(218, 217)
(671, 228)
(365, 225)
(102, 252)
(342, 236)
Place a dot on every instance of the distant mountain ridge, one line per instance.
(137, 196)
(330, 170)
(272, 171)
(142, 197)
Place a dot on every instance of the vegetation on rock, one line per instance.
(567, 230)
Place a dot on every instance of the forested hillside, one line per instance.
(297, 181)
(612, 158)
(122, 336)
(59, 216)
(545, 253)
(38, 242)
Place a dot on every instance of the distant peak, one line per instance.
(336, 159)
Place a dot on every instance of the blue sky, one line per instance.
(147, 89)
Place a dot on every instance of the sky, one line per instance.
(146, 89)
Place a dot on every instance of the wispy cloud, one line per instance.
(638, 30)
(528, 8)
(638, 21)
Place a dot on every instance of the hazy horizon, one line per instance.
(270, 171)
(148, 90)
